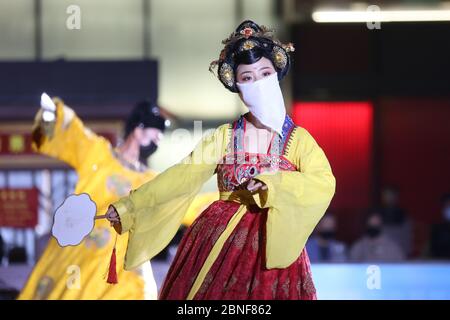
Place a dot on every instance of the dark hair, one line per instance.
(250, 57)
(145, 114)
(254, 55)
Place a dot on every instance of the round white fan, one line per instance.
(74, 219)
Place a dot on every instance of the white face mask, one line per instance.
(265, 101)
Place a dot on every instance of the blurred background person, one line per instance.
(375, 245)
(105, 173)
(2, 249)
(323, 245)
(440, 232)
(396, 222)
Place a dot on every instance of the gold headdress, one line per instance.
(248, 36)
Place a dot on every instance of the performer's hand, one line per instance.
(112, 216)
(256, 185)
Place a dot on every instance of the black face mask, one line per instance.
(146, 151)
(327, 235)
(373, 232)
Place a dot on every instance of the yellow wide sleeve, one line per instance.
(153, 213)
(297, 200)
(69, 140)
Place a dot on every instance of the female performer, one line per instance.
(275, 184)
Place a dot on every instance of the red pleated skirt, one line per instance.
(239, 271)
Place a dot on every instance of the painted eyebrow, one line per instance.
(249, 71)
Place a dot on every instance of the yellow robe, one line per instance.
(79, 272)
(296, 200)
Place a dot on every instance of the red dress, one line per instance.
(239, 271)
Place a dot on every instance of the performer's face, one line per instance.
(247, 73)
